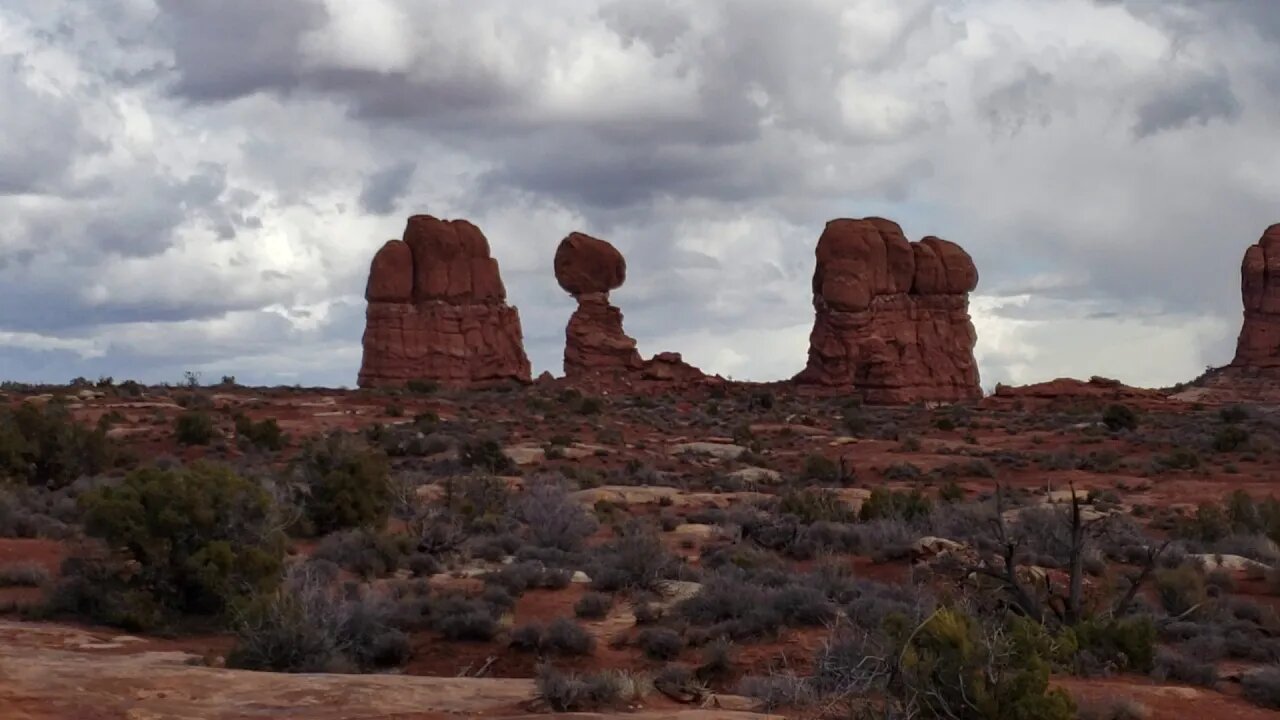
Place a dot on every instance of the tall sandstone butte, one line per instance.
(438, 311)
(892, 316)
(1259, 343)
(596, 347)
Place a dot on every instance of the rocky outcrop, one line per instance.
(438, 312)
(1069, 393)
(596, 347)
(892, 317)
(1259, 343)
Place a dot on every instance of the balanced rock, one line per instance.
(596, 347)
(438, 312)
(892, 316)
(1259, 343)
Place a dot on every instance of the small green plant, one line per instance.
(348, 483)
(264, 434)
(194, 427)
(1119, 417)
(191, 540)
(885, 504)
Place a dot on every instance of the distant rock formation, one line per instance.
(438, 311)
(892, 317)
(1259, 343)
(1096, 393)
(596, 347)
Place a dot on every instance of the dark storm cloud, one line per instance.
(41, 134)
(1198, 99)
(225, 49)
(384, 188)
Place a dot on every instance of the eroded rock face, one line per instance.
(1259, 343)
(596, 347)
(438, 312)
(892, 316)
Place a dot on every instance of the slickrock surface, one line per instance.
(438, 311)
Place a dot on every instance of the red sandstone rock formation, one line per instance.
(892, 316)
(437, 311)
(1259, 342)
(596, 347)
(1097, 393)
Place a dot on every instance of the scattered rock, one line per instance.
(757, 476)
(720, 451)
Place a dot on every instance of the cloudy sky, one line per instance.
(200, 184)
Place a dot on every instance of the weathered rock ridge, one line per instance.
(438, 312)
(891, 316)
(596, 347)
(1259, 343)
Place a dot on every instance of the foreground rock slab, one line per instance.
(51, 672)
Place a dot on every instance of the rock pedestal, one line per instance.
(891, 316)
(438, 312)
(596, 347)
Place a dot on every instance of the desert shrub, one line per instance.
(1181, 590)
(485, 455)
(802, 606)
(347, 483)
(951, 493)
(1119, 417)
(812, 505)
(457, 617)
(635, 560)
(480, 500)
(311, 624)
(1233, 414)
(569, 692)
(1126, 643)
(660, 643)
(364, 552)
(1180, 459)
(717, 660)
(1175, 666)
(1229, 438)
(44, 446)
(885, 504)
(519, 577)
(529, 638)
(194, 427)
(263, 434)
(186, 540)
(954, 667)
(554, 520)
(820, 468)
(23, 574)
(566, 637)
(593, 605)
(1262, 687)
